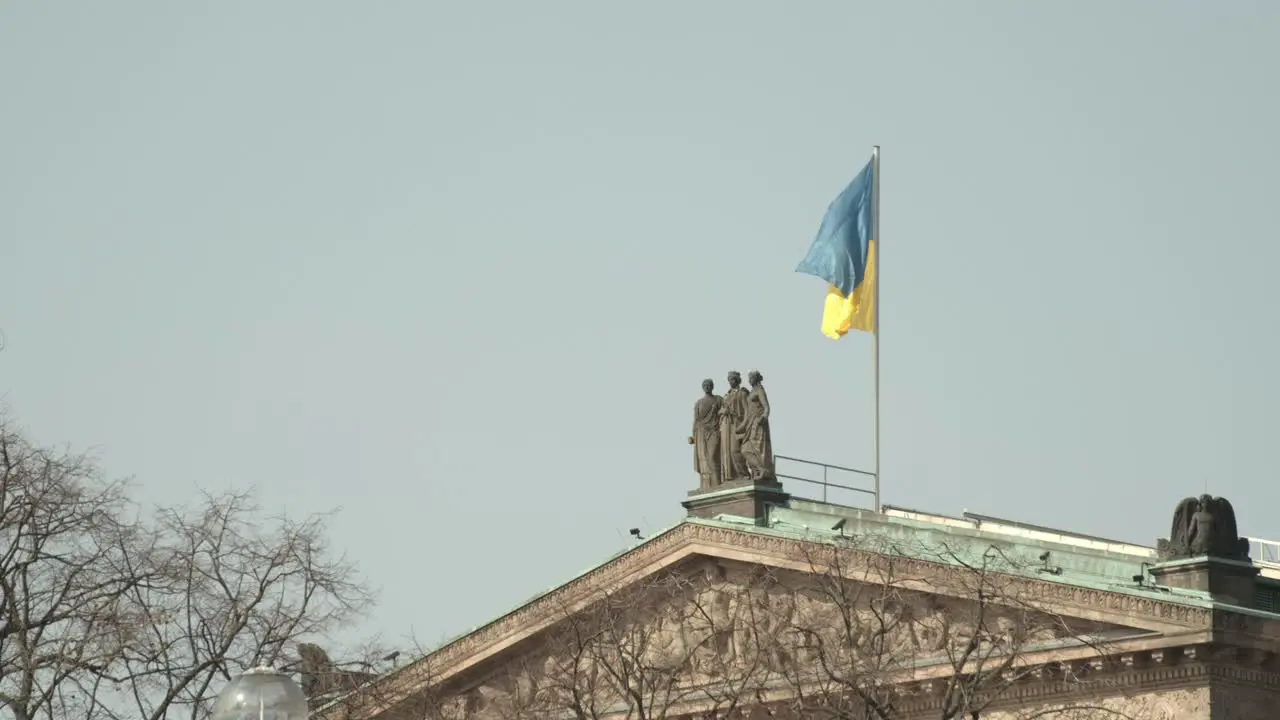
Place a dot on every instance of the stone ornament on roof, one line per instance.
(731, 438)
(732, 412)
(1204, 526)
(757, 440)
(705, 437)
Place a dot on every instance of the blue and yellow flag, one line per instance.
(844, 254)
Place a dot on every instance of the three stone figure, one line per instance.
(731, 439)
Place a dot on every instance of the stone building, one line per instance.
(1094, 627)
(761, 604)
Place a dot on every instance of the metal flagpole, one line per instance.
(875, 234)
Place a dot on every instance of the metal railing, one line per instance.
(825, 482)
(1264, 552)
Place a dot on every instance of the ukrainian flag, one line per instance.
(844, 254)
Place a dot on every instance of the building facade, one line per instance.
(760, 604)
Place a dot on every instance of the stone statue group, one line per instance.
(731, 439)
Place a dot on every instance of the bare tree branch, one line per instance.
(854, 635)
(71, 550)
(107, 613)
(864, 631)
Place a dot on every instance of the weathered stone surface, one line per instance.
(1180, 704)
(757, 440)
(744, 498)
(738, 590)
(715, 624)
(732, 412)
(1241, 702)
(1205, 526)
(705, 437)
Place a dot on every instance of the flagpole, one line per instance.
(875, 234)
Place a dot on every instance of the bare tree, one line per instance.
(70, 555)
(868, 619)
(694, 639)
(108, 613)
(238, 591)
(691, 640)
(432, 696)
(865, 630)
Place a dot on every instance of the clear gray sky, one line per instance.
(459, 268)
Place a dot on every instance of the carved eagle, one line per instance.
(1225, 542)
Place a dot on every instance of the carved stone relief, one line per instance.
(715, 624)
(929, 631)
(1182, 704)
(718, 621)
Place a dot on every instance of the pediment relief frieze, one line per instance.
(726, 574)
(706, 630)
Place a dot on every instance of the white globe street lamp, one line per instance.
(261, 693)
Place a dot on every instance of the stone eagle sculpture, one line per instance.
(1205, 526)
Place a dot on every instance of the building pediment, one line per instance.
(686, 595)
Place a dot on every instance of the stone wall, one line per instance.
(1180, 704)
(1237, 702)
(1219, 702)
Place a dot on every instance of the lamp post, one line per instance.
(261, 693)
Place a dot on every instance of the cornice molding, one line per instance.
(1129, 674)
(1070, 682)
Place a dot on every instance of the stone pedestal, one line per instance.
(1228, 581)
(743, 498)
